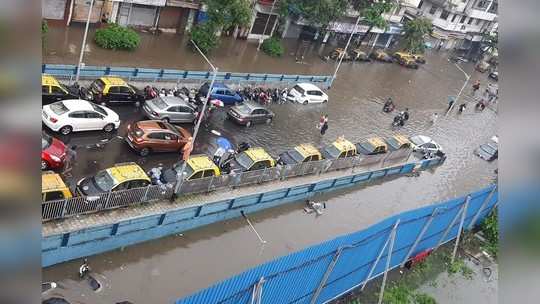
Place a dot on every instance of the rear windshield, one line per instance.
(98, 85)
(244, 160)
(59, 108)
(99, 109)
(158, 102)
(296, 156)
(188, 171)
(333, 151)
(138, 132)
(104, 181)
(244, 108)
(298, 89)
(45, 142)
(489, 149)
(368, 147)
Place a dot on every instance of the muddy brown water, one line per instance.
(163, 270)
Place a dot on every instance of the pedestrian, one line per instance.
(70, 158)
(187, 148)
(461, 108)
(321, 122)
(451, 101)
(84, 269)
(434, 118)
(324, 126)
(476, 86)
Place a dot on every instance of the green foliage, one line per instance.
(402, 294)
(490, 228)
(204, 36)
(422, 298)
(273, 47)
(317, 13)
(226, 13)
(117, 37)
(373, 13)
(414, 33)
(458, 266)
(44, 27)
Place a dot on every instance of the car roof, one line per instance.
(48, 80)
(343, 145)
(251, 105)
(201, 162)
(152, 125)
(308, 86)
(307, 150)
(110, 80)
(377, 142)
(220, 85)
(77, 104)
(401, 139)
(51, 181)
(127, 171)
(421, 139)
(257, 154)
(174, 101)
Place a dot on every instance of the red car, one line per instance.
(53, 152)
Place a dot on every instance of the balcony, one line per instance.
(481, 14)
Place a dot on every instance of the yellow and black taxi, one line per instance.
(341, 148)
(398, 142)
(372, 146)
(52, 90)
(408, 62)
(300, 154)
(197, 166)
(53, 187)
(419, 58)
(249, 160)
(122, 176)
(381, 55)
(337, 53)
(109, 89)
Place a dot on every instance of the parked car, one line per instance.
(494, 75)
(359, 55)
(74, 115)
(408, 62)
(170, 109)
(419, 58)
(250, 160)
(488, 151)
(482, 67)
(300, 154)
(122, 176)
(337, 53)
(148, 136)
(249, 113)
(398, 142)
(372, 146)
(53, 152)
(53, 187)
(220, 91)
(108, 89)
(340, 148)
(424, 144)
(305, 93)
(380, 55)
(53, 91)
(197, 166)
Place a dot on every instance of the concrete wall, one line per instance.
(94, 240)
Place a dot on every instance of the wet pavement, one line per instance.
(163, 270)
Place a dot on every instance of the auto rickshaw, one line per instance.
(359, 55)
(338, 53)
(408, 62)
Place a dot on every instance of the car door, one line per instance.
(77, 120)
(170, 142)
(113, 95)
(181, 114)
(256, 116)
(157, 141)
(127, 94)
(95, 120)
(220, 94)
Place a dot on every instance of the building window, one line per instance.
(462, 19)
(454, 18)
(433, 10)
(420, 3)
(444, 14)
(477, 21)
(470, 20)
(482, 4)
(494, 8)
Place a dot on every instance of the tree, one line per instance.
(373, 15)
(317, 13)
(414, 33)
(490, 43)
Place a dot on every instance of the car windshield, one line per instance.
(333, 151)
(188, 171)
(59, 108)
(394, 143)
(417, 140)
(488, 149)
(104, 180)
(98, 85)
(296, 156)
(298, 89)
(368, 147)
(45, 142)
(99, 109)
(244, 160)
(158, 102)
(243, 108)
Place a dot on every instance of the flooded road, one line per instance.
(173, 267)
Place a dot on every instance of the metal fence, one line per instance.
(111, 200)
(328, 270)
(169, 75)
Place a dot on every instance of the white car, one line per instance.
(305, 93)
(424, 144)
(73, 115)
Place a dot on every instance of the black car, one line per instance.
(248, 113)
(488, 151)
(494, 75)
(53, 91)
(108, 90)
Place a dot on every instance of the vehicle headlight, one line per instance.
(55, 158)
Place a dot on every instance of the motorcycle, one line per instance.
(388, 107)
(400, 119)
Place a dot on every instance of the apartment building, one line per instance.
(457, 24)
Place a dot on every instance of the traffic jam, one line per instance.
(73, 109)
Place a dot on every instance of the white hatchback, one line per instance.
(79, 115)
(305, 93)
(422, 143)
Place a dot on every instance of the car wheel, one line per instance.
(144, 152)
(305, 102)
(248, 124)
(165, 119)
(325, 101)
(65, 130)
(108, 128)
(44, 165)
(268, 121)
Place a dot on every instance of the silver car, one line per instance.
(170, 109)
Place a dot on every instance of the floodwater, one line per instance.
(173, 267)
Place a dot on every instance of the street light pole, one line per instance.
(180, 174)
(266, 25)
(345, 50)
(467, 77)
(83, 46)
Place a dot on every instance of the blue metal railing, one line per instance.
(69, 71)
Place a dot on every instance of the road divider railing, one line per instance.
(68, 71)
(64, 208)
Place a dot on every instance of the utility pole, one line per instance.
(83, 46)
(467, 78)
(266, 25)
(180, 174)
(346, 48)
